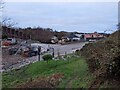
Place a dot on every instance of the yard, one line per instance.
(74, 73)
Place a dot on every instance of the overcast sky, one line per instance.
(61, 0)
(81, 17)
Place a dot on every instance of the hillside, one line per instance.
(103, 58)
(70, 73)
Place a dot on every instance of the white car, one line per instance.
(92, 40)
(44, 47)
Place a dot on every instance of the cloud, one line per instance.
(62, 0)
(70, 17)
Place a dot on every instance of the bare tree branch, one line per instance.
(5, 21)
(1, 4)
(8, 22)
(1, 8)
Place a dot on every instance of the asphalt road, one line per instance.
(69, 48)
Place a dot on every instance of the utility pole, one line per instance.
(39, 52)
(53, 52)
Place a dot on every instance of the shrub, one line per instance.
(47, 57)
(4, 36)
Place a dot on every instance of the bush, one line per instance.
(47, 57)
(4, 36)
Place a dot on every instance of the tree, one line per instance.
(8, 22)
(1, 4)
(1, 7)
(5, 21)
(118, 25)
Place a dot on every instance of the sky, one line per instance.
(63, 16)
(61, 0)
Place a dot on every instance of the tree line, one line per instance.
(43, 35)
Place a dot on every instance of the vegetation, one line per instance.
(43, 35)
(47, 57)
(75, 73)
(4, 36)
(103, 58)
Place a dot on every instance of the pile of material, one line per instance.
(103, 58)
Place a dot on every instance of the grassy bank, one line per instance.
(75, 72)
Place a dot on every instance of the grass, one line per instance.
(75, 72)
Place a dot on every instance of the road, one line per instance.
(62, 49)
(67, 48)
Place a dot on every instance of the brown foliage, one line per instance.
(103, 58)
(43, 82)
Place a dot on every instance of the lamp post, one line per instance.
(39, 52)
(53, 52)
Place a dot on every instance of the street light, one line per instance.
(53, 52)
(39, 52)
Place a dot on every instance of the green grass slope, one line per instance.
(74, 69)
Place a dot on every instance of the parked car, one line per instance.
(12, 41)
(12, 50)
(44, 47)
(92, 40)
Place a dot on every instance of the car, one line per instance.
(44, 47)
(92, 40)
(12, 41)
